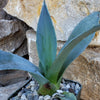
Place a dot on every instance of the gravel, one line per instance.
(30, 91)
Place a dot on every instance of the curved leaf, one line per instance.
(46, 39)
(87, 23)
(67, 96)
(9, 61)
(84, 25)
(57, 65)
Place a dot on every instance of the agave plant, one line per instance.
(51, 67)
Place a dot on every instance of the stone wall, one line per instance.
(64, 13)
(12, 39)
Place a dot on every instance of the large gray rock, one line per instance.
(3, 3)
(5, 92)
(12, 39)
(64, 13)
(85, 69)
(12, 34)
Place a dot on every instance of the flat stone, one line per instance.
(5, 92)
(32, 50)
(11, 77)
(65, 14)
(3, 3)
(86, 70)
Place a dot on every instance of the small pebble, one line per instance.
(20, 94)
(30, 96)
(59, 91)
(35, 92)
(32, 83)
(67, 86)
(73, 86)
(77, 87)
(28, 86)
(63, 81)
(76, 92)
(15, 98)
(23, 97)
(35, 97)
(41, 98)
(61, 85)
(30, 91)
(47, 97)
(32, 88)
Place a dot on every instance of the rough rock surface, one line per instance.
(12, 39)
(85, 69)
(64, 13)
(11, 77)
(12, 33)
(32, 50)
(5, 92)
(3, 3)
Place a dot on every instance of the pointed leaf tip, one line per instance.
(46, 39)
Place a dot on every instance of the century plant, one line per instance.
(51, 67)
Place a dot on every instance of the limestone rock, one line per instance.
(5, 92)
(3, 3)
(32, 50)
(12, 39)
(12, 34)
(22, 49)
(85, 69)
(64, 13)
(11, 77)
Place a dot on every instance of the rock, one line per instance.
(20, 94)
(32, 50)
(22, 50)
(30, 96)
(5, 92)
(11, 77)
(32, 88)
(64, 13)
(67, 86)
(12, 39)
(59, 91)
(3, 3)
(86, 70)
(47, 97)
(32, 83)
(12, 35)
(35, 97)
(41, 98)
(23, 97)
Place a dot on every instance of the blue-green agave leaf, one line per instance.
(9, 61)
(87, 23)
(67, 96)
(57, 65)
(46, 39)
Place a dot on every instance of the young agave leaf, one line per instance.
(87, 23)
(9, 61)
(46, 39)
(67, 96)
(57, 65)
